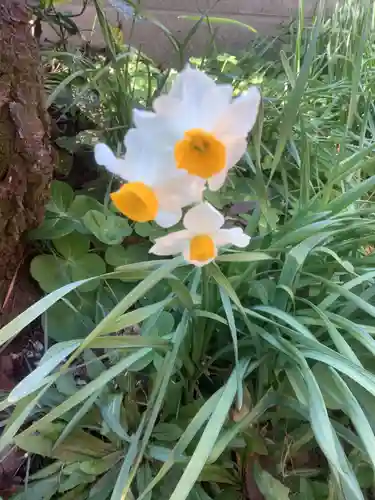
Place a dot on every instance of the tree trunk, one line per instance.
(26, 156)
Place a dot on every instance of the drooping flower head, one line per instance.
(201, 238)
(200, 123)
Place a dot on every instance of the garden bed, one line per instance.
(251, 377)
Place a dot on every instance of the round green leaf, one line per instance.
(110, 229)
(72, 246)
(51, 228)
(83, 204)
(156, 232)
(50, 272)
(167, 432)
(61, 322)
(215, 198)
(87, 266)
(95, 221)
(117, 290)
(271, 487)
(158, 292)
(143, 229)
(117, 255)
(141, 364)
(105, 302)
(109, 295)
(165, 323)
(62, 196)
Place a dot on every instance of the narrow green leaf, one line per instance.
(17, 324)
(188, 435)
(269, 486)
(233, 331)
(137, 449)
(138, 291)
(207, 441)
(77, 417)
(219, 20)
(292, 106)
(351, 196)
(38, 377)
(268, 400)
(89, 389)
(243, 257)
(134, 317)
(353, 409)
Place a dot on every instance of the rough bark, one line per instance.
(26, 156)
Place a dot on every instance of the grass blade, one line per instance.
(208, 439)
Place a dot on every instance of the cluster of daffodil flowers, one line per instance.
(187, 144)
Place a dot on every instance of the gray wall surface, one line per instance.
(266, 16)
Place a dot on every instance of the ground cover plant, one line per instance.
(251, 376)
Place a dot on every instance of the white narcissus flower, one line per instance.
(200, 123)
(154, 191)
(202, 236)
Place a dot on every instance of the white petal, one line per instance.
(171, 244)
(166, 105)
(234, 236)
(195, 101)
(192, 83)
(105, 157)
(139, 141)
(136, 164)
(142, 118)
(239, 118)
(180, 191)
(235, 150)
(214, 104)
(203, 219)
(216, 181)
(177, 89)
(205, 111)
(158, 130)
(143, 162)
(197, 263)
(166, 218)
(192, 189)
(202, 111)
(177, 85)
(103, 154)
(135, 144)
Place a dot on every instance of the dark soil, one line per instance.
(17, 359)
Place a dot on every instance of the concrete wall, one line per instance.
(266, 16)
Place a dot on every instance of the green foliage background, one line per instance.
(254, 374)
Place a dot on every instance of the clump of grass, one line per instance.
(255, 375)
